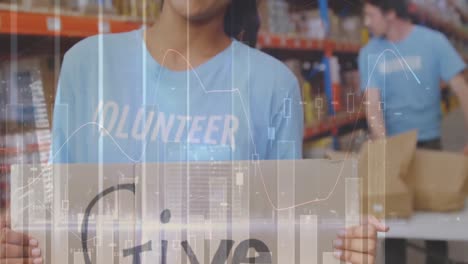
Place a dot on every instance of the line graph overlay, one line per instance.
(101, 129)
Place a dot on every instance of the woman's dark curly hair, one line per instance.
(242, 21)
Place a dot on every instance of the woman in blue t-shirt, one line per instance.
(184, 89)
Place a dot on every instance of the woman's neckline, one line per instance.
(204, 65)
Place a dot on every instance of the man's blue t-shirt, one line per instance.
(116, 104)
(408, 75)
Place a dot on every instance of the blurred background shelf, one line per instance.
(275, 41)
(423, 15)
(70, 24)
(336, 125)
(66, 25)
(4, 169)
(31, 148)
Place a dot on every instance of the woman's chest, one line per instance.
(167, 119)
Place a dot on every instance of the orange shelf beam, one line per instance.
(275, 41)
(27, 23)
(4, 169)
(28, 149)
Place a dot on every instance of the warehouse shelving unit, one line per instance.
(336, 125)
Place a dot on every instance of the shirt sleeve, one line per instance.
(368, 70)
(287, 125)
(63, 113)
(450, 62)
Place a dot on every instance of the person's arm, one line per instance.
(460, 88)
(374, 114)
(451, 67)
(287, 122)
(370, 84)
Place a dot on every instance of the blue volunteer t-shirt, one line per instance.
(115, 104)
(408, 75)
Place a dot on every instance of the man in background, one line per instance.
(401, 69)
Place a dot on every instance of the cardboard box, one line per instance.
(398, 179)
(233, 202)
(438, 180)
(384, 165)
(465, 188)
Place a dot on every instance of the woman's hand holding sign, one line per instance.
(358, 245)
(17, 248)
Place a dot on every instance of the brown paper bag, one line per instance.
(384, 166)
(438, 179)
(465, 189)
